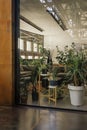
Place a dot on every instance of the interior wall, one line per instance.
(59, 39)
(27, 27)
(53, 35)
(5, 52)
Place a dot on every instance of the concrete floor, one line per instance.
(61, 103)
(28, 118)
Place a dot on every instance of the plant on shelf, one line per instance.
(47, 59)
(53, 80)
(34, 78)
(38, 66)
(76, 71)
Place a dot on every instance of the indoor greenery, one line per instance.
(76, 64)
(46, 56)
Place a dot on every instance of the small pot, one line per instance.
(53, 82)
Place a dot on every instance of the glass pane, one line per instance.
(28, 47)
(35, 47)
(36, 57)
(22, 56)
(39, 29)
(21, 44)
(30, 57)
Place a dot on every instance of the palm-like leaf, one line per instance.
(76, 65)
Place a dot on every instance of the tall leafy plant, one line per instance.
(46, 56)
(36, 70)
(76, 64)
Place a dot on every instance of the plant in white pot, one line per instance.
(76, 72)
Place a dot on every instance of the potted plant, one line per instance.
(34, 78)
(47, 59)
(53, 80)
(76, 72)
(23, 92)
(44, 68)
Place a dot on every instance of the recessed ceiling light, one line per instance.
(42, 1)
(49, 9)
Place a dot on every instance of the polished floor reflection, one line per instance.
(63, 103)
(25, 118)
(41, 98)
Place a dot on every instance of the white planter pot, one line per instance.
(76, 95)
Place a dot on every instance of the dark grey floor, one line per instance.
(25, 118)
(61, 103)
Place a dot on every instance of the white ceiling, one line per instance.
(72, 12)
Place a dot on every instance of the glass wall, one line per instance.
(36, 86)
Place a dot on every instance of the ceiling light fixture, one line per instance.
(43, 1)
(56, 17)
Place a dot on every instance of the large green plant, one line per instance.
(38, 66)
(46, 56)
(76, 64)
(36, 70)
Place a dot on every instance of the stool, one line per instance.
(52, 95)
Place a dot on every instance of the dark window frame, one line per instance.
(15, 51)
